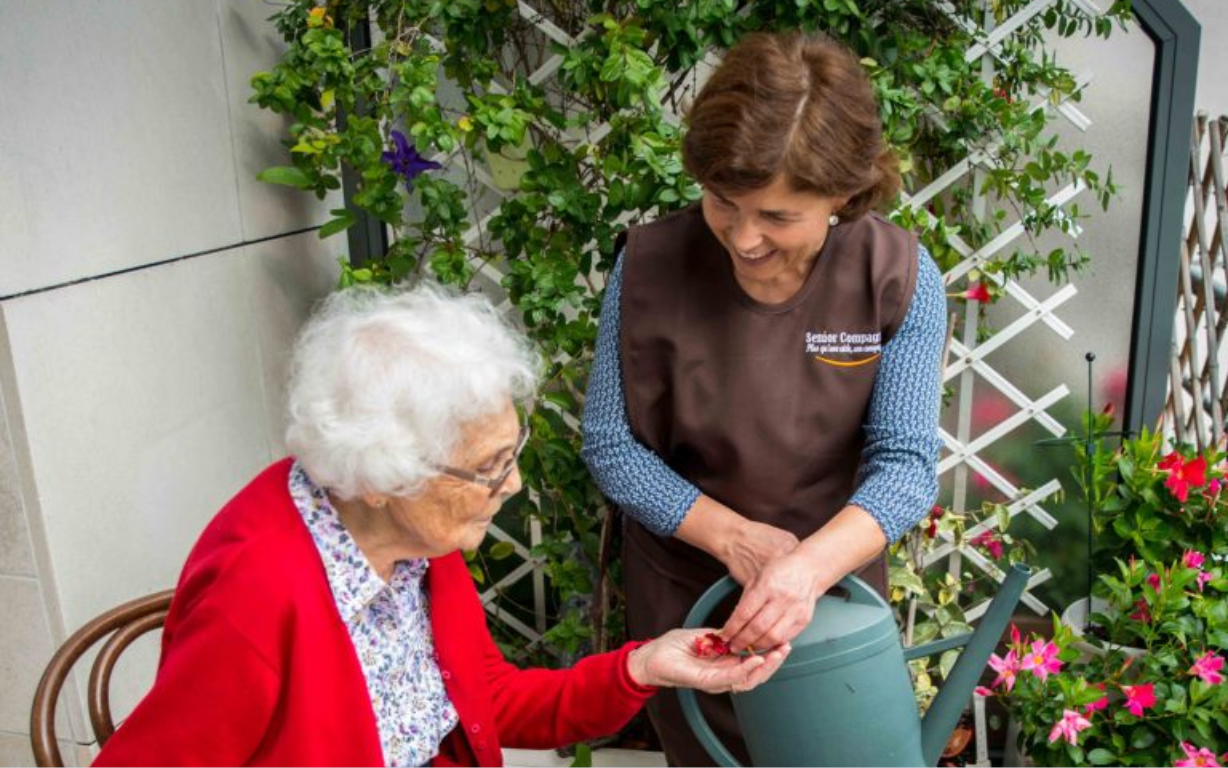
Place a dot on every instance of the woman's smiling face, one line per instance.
(772, 235)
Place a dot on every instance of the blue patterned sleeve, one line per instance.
(898, 480)
(628, 472)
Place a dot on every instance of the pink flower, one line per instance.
(981, 690)
(1195, 757)
(1099, 703)
(1208, 668)
(1042, 660)
(1006, 668)
(1016, 642)
(1154, 581)
(1139, 697)
(1203, 578)
(1214, 487)
(1193, 559)
(1069, 726)
(990, 542)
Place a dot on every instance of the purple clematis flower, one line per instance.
(406, 161)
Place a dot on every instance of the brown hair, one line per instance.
(796, 105)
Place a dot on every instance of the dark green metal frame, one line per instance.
(1176, 36)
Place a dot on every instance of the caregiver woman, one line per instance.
(326, 615)
(765, 396)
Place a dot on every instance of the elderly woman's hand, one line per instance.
(671, 661)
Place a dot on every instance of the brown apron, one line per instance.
(760, 406)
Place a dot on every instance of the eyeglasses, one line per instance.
(494, 483)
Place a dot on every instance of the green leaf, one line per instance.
(345, 219)
(584, 756)
(1101, 756)
(287, 175)
(501, 550)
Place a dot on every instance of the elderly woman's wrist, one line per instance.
(637, 667)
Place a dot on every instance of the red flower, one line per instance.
(990, 542)
(1142, 612)
(1183, 475)
(978, 292)
(1099, 703)
(710, 646)
(1139, 697)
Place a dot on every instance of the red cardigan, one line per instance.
(257, 667)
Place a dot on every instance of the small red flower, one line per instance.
(1142, 612)
(1139, 697)
(711, 646)
(1183, 475)
(1099, 703)
(978, 292)
(990, 542)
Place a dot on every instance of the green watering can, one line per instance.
(844, 696)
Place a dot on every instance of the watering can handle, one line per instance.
(686, 697)
(858, 592)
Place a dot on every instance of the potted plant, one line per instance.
(1165, 706)
(1143, 682)
(1149, 503)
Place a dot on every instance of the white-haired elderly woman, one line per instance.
(326, 615)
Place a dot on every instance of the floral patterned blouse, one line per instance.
(390, 626)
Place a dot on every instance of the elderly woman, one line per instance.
(326, 615)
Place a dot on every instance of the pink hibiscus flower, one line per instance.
(1007, 668)
(1139, 698)
(1069, 726)
(1208, 667)
(1202, 757)
(1042, 660)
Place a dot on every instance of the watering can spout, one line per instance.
(944, 712)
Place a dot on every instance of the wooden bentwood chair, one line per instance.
(124, 624)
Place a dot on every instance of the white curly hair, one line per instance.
(381, 381)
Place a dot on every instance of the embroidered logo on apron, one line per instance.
(844, 349)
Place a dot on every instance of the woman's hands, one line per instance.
(776, 605)
(749, 552)
(670, 661)
(742, 546)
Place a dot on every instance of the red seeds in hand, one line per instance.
(711, 646)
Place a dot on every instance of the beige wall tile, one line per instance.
(15, 749)
(120, 154)
(143, 412)
(286, 277)
(25, 649)
(250, 44)
(16, 555)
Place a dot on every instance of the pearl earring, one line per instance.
(833, 220)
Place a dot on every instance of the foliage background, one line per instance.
(599, 140)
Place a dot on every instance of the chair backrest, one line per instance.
(123, 624)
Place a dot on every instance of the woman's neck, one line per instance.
(378, 537)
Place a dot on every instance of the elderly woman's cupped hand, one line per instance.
(671, 661)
